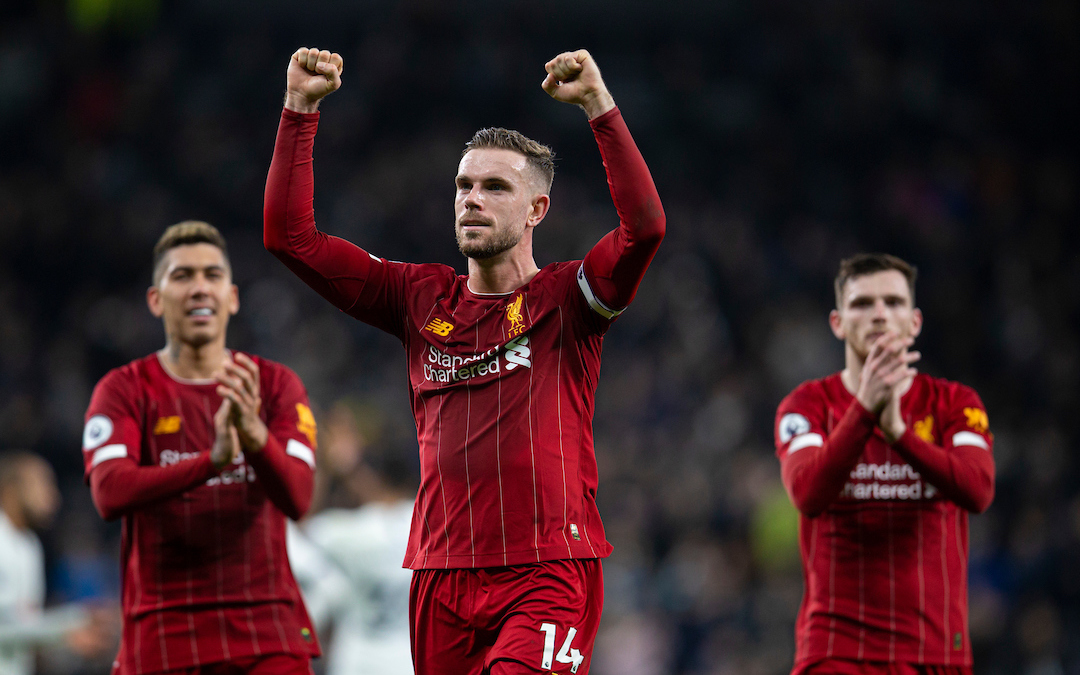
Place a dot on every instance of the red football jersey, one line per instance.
(502, 390)
(502, 386)
(885, 561)
(205, 576)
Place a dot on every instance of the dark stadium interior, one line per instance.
(782, 136)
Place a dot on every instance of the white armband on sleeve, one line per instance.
(295, 448)
(597, 305)
(115, 451)
(969, 438)
(806, 441)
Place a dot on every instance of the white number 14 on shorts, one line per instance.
(566, 655)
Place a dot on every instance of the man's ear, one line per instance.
(540, 205)
(916, 322)
(234, 300)
(837, 325)
(153, 301)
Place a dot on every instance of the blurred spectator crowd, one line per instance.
(782, 136)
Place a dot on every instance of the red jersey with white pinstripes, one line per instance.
(205, 576)
(502, 391)
(885, 564)
(502, 386)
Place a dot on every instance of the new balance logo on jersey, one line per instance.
(439, 327)
(167, 425)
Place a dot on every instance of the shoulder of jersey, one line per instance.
(812, 388)
(273, 370)
(944, 387)
(132, 370)
(440, 271)
(560, 271)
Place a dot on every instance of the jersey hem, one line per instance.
(419, 562)
(899, 656)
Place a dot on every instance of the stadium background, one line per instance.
(782, 135)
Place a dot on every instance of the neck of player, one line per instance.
(10, 505)
(194, 362)
(502, 273)
(853, 366)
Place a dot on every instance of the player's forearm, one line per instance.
(289, 481)
(619, 262)
(121, 486)
(814, 476)
(964, 475)
(334, 268)
(51, 626)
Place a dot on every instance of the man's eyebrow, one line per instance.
(465, 178)
(192, 268)
(863, 297)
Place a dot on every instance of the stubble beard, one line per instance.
(480, 248)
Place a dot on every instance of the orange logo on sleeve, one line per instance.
(513, 315)
(439, 327)
(305, 423)
(167, 425)
(977, 419)
(924, 429)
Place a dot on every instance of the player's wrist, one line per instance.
(596, 103)
(297, 102)
(219, 458)
(255, 441)
(870, 406)
(893, 431)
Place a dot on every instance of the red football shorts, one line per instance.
(271, 664)
(539, 618)
(848, 667)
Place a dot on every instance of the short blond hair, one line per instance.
(184, 233)
(540, 157)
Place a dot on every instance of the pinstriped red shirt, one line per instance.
(502, 392)
(502, 386)
(885, 554)
(205, 576)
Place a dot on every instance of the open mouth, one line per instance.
(201, 312)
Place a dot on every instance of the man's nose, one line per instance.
(201, 285)
(473, 199)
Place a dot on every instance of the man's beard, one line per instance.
(482, 249)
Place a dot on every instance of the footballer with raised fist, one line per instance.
(203, 452)
(503, 362)
(884, 464)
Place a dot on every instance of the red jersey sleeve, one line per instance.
(815, 462)
(369, 288)
(286, 465)
(613, 269)
(112, 446)
(113, 422)
(962, 467)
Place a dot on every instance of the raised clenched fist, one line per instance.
(312, 74)
(574, 77)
